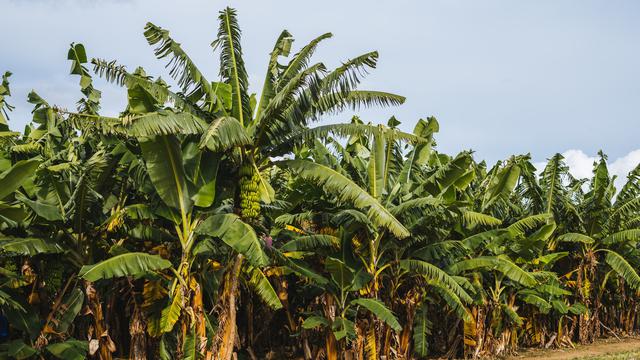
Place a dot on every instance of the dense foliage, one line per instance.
(204, 221)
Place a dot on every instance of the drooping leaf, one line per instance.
(622, 267)
(472, 218)
(578, 308)
(164, 123)
(560, 306)
(447, 175)
(42, 209)
(224, 133)
(421, 330)
(141, 101)
(432, 272)
(29, 246)
(630, 235)
(576, 237)
(417, 203)
(451, 299)
(170, 314)
(553, 290)
(380, 311)
(506, 267)
(476, 241)
(6, 300)
(542, 304)
(549, 259)
(300, 268)
(314, 322)
(205, 195)
(528, 223)
(544, 232)
(237, 234)
(354, 129)
(347, 191)
(512, 314)
(12, 215)
(129, 264)
(261, 285)
(14, 177)
(311, 242)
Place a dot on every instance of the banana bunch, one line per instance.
(249, 197)
(27, 149)
(54, 276)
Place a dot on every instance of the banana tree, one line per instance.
(26, 246)
(500, 261)
(228, 119)
(338, 314)
(604, 247)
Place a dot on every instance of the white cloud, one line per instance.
(622, 166)
(581, 165)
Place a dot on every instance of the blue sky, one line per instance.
(502, 77)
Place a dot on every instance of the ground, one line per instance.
(606, 349)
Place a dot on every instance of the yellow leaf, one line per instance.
(370, 347)
(294, 229)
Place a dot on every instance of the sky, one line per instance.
(502, 77)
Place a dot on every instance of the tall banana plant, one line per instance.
(228, 120)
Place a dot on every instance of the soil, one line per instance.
(599, 348)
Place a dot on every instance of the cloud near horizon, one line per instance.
(581, 164)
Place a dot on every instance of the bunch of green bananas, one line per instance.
(249, 197)
(28, 148)
(54, 276)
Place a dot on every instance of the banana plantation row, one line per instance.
(205, 222)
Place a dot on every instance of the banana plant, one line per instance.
(228, 119)
(499, 264)
(338, 316)
(377, 241)
(604, 247)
